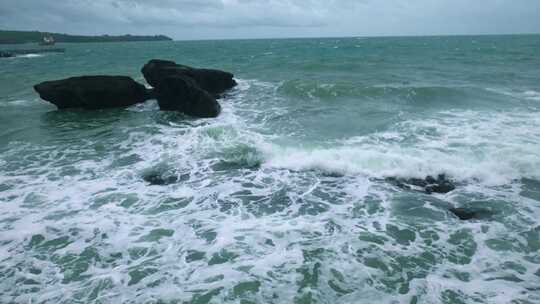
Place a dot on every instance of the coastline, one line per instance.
(22, 37)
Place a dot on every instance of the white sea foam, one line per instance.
(529, 94)
(30, 56)
(275, 223)
(533, 95)
(492, 148)
(18, 102)
(148, 106)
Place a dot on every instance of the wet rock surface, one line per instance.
(93, 92)
(441, 184)
(176, 87)
(466, 214)
(180, 93)
(186, 89)
(213, 81)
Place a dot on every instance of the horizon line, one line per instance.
(360, 36)
(293, 37)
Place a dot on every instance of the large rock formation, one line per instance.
(181, 93)
(93, 92)
(176, 87)
(185, 89)
(213, 81)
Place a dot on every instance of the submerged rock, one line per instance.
(466, 214)
(441, 184)
(93, 92)
(181, 93)
(213, 81)
(161, 175)
(158, 179)
(4, 54)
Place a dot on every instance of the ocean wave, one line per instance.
(469, 146)
(473, 147)
(18, 102)
(250, 208)
(492, 148)
(30, 56)
(532, 95)
(308, 89)
(528, 94)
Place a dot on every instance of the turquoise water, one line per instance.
(283, 198)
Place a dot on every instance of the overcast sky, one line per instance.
(208, 19)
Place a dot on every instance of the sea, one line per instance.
(286, 196)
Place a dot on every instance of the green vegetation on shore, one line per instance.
(17, 37)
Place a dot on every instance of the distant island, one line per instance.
(18, 37)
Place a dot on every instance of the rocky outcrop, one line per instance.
(93, 92)
(176, 87)
(429, 185)
(212, 81)
(186, 89)
(181, 93)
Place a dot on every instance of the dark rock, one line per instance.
(213, 81)
(151, 93)
(440, 187)
(181, 93)
(185, 89)
(466, 214)
(159, 179)
(463, 214)
(441, 184)
(6, 54)
(162, 176)
(93, 92)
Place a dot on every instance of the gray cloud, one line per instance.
(192, 19)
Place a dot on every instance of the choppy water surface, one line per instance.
(283, 198)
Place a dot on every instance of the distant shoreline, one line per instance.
(360, 37)
(22, 37)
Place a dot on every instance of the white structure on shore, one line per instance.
(47, 40)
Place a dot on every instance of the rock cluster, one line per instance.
(5, 54)
(176, 87)
(214, 82)
(430, 184)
